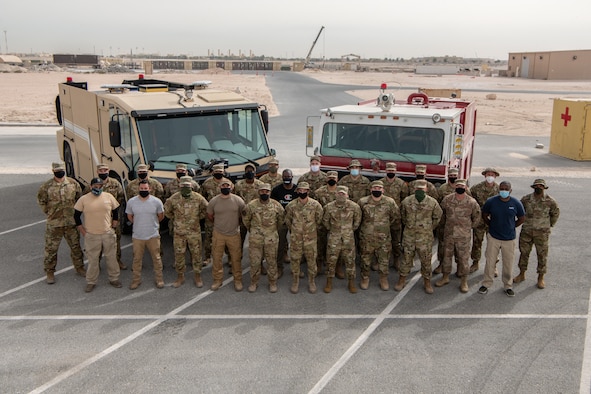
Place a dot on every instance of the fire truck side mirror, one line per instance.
(114, 133)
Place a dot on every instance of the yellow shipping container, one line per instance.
(570, 135)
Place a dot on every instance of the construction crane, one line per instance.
(307, 61)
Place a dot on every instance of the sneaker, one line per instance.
(483, 290)
(116, 283)
(510, 292)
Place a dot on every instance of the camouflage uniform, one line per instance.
(315, 181)
(186, 212)
(459, 218)
(431, 189)
(174, 186)
(248, 192)
(302, 220)
(273, 181)
(324, 196)
(57, 200)
(419, 219)
(378, 218)
(358, 187)
(341, 220)
(398, 190)
(541, 214)
(481, 192)
(133, 188)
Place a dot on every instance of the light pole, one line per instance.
(5, 43)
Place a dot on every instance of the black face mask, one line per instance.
(59, 174)
(103, 176)
(420, 176)
(249, 175)
(144, 193)
(217, 175)
(452, 180)
(391, 175)
(264, 197)
(287, 181)
(331, 182)
(225, 190)
(460, 190)
(142, 175)
(303, 196)
(180, 174)
(537, 190)
(376, 193)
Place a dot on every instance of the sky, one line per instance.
(372, 29)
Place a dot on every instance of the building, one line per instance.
(11, 60)
(554, 65)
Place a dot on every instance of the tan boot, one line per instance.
(520, 277)
(238, 285)
(135, 282)
(311, 284)
(215, 286)
(328, 287)
(364, 284)
(254, 283)
(428, 288)
(384, 285)
(340, 273)
(351, 286)
(295, 284)
(443, 281)
(198, 281)
(159, 280)
(80, 271)
(50, 278)
(464, 284)
(474, 267)
(541, 283)
(180, 280)
(401, 283)
(438, 270)
(122, 266)
(272, 286)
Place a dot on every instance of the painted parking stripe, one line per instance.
(22, 227)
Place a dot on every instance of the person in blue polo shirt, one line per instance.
(503, 214)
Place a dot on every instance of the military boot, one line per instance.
(295, 284)
(311, 284)
(520, 277)
(80, 271)
(384, 285)
(401, 283)
(50, 278)
(340, 273)
(328, 287)
(443, 281)
(351, 286)
(159, 280)
(122, 266)
(438, 270)
(541, 283)
(135, 282)
(364, 284)
(272, 286)
(474, 266)
(464, 284)
(198, 281)
(428, 288)
(180, 279)
(254, 283)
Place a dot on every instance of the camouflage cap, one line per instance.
(225, 181)
(539, 182)
(142, 167)
(58, 166)
(343, 189)
(376, 183)
(490, 169)
(317, 158)
(453, 171)
(274, 161)
(102, 166)
(186, 181)
(218, 168)
(332, 174)
(304, 185)
(355, 163)
(422, 185)
(264, 186)
(460, 182)
(249, 165)
(391, 166)
(181, 166)
(420, 169)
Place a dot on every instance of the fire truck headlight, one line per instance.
(436, 118)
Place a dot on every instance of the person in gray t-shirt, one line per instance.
(145, 212)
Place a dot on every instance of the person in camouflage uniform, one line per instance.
(302, 217)
(461, 213)
(56, 198)
(248, 189)
(174, 185)
(341, 219)
(420, 173)
(482, 192)
(262, 218)
(357, 184)
(379, 215)
(272, 177)
(211, 188)
(541, 214)
(133, 187)
(420, 215)
(315, 178)
(324, 195)
(186, 208)
(397, 189)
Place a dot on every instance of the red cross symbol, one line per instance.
(566, 117)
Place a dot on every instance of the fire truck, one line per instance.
(436, 132)
(161, 124)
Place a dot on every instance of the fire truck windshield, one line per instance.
(396, 143)
(237, 136)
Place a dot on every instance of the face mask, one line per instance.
(103, 176)
(273, 170)
(96, 191)
(504, 193)
(420, 176)
(341, 198)
(264, 197)
(538, 190)
(186, 192)
(303, 196)
(376, 193)
(355, 172)
(391, 175)
(144, 193)
(180, 174)
(59, 174)
(420, 195)
(314, 168)
(287, 181)
(226, 191)
(331, 182)
(217, 175)
(249, 175)
(452, 180)
(490, 179)
(142, 175)
(460, 190)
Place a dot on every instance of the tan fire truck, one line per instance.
(159, 123)
(438, 132)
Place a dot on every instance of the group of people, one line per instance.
(320, 221)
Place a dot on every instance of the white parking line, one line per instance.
(21, 227)
(585, 385)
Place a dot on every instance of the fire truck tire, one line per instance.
(69, 161)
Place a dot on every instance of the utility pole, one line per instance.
(5, 43)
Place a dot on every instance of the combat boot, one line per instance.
(180, 280)
(438, 270)
(122, 266)
(295, 284)
(311, 284)
(464, 284)
(159, 280)
(474, 266)
(50, 278)
(135, 283)
(541, 283)
(328, 287)
(428, 288)
(272, 286)
(520, 277)
(340, 273)
(254, 283)
(401, 283)
(80, 271)
(351, 286)
(215, 286)
(364, 284)
(443, 281)
(198, 281)
(384, 285)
